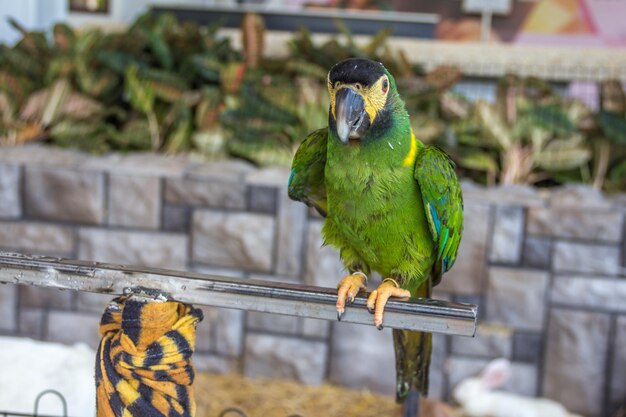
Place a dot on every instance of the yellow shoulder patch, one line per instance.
(409, 159)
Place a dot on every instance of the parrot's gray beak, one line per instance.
(352, 119)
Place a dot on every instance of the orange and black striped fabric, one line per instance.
(143, 365)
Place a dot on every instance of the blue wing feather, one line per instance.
(443, 203)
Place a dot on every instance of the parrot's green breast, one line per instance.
(375, 211)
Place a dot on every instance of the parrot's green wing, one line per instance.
(306, 182)
(443, 204)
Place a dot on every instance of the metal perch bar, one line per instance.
(265, 296)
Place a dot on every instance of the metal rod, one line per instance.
(265, 296)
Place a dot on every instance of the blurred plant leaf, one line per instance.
(563, 154)
(613, 126)
(140, 92)
(492, 125)
(478, 160)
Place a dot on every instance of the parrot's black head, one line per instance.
(359, 99)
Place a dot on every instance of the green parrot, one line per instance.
(391, 204)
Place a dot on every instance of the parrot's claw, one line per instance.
(378, 299)
(348, 288)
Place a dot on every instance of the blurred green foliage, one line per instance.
(172, 86)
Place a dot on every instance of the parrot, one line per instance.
(390, 203)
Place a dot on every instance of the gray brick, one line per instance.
(527, 347)
(576, 223)
(135, 201)
(92, 302)
(73, 327)
(508, 235)
(37, 238)
(220, 272)
(163, 250)
(32, 323)
(285, 357)
(577, 196)
(323, 266)
(466, 275)
(140, 164)
(515, 297)
(262, 199)
(617, 392)
(232, 170)
(240, 240)
(38, 154)
(176, 218)
(8, 307)
(492, 341)
(589, 291)
(229, 327)
(10, 205)
(292, 223)
(315, 328)
(65, 195)
(524, 379)
(362, 358)
(586, 258)
(577, 346)
(459, 369)
(195, 192)
(509, 194)
(204, 330)
(537, 252)
(276, 176)
(215, 364)
(39, 297)
(436, 375)
(273, 323)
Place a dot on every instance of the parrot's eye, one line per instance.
(385, 85)
(357, 86)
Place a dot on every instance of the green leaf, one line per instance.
(118, 61)
(167, 86)
(563, 154)
(64, 37)
(22, 63)
(160, 48)
(179, 139)
(207, 67)
(140, 93)
(135, 135)
(492, 125)
(618, 173)
(551, 117)
(613, 126)
(478, 160)
(86, 42)
(85, 135)
(210, 143)
(56, 98)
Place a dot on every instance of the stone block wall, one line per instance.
(546, 268)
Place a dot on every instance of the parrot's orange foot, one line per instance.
(378, 299)
(348, 288)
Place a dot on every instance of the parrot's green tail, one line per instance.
(412, 356)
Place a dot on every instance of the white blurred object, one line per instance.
(30, 367)
(477, 399)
